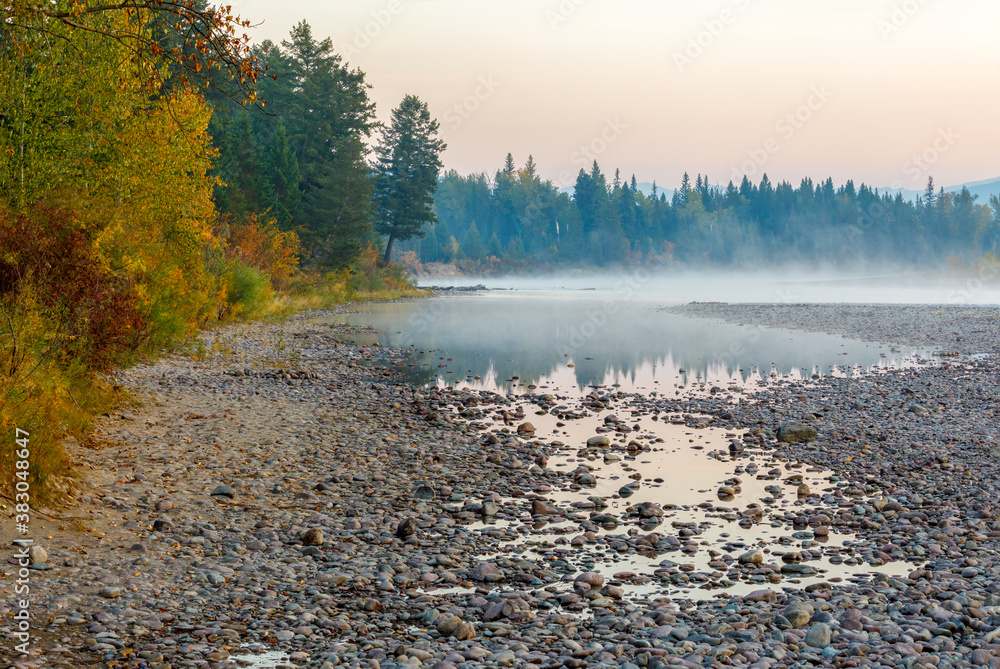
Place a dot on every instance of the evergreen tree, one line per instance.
(282, 174)
(508, 165)
(685, 188)
(494, 248)
(529, 168)
(328, 118)
(472, 243)
(409, 159)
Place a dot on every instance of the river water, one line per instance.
(569, 343)
(501, 340)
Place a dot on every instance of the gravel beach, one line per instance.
(282, 499)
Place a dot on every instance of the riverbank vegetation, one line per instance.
(159, 175)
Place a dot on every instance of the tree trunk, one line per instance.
(388, 247)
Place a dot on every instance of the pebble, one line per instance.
(403, 497)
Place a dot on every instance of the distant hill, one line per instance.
(984, 189)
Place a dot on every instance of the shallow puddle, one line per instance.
(681, 469)
(268, 659)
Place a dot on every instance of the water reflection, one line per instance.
(498, 341)
(682, 470)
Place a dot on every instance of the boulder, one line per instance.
(797, 434)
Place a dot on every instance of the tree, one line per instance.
(328, 118)
(409, 159)
(472, 243)
(190, 37)
(508, 165)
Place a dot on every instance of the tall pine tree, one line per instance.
(409, 159)
(328, 120)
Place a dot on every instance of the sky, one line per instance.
(885, 92)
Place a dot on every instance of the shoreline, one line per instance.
(182, 576)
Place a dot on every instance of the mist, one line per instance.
(979, 285)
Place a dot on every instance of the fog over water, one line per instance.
(571, 332)
(792, 286)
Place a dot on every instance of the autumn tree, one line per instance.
(189, 37)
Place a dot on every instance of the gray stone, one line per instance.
(798, 614)
(486, 571)
(464, 632)
(448, 626)
(649, 510)
(406, 528)
(503, 658)
(797, 434)
(591, 578)
(819, 636)
(600, 441)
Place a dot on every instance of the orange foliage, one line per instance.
(259, 243)
(368, 260)
(411, 262)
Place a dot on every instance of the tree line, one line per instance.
(514, 218)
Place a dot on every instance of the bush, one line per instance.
(259, 243)
(93, 313)
(248, 291)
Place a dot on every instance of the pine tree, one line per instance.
(929, 195)
(282, 174)
(529, 168)
(472, 243)
(328, 117)
(409, 159)
(508, 166)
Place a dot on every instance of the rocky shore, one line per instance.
(282, 499)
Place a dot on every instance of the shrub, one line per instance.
(94, 314)
(248, 291)
(259, 243)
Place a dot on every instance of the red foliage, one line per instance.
(96, 313)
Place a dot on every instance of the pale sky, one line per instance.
(882, 91)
